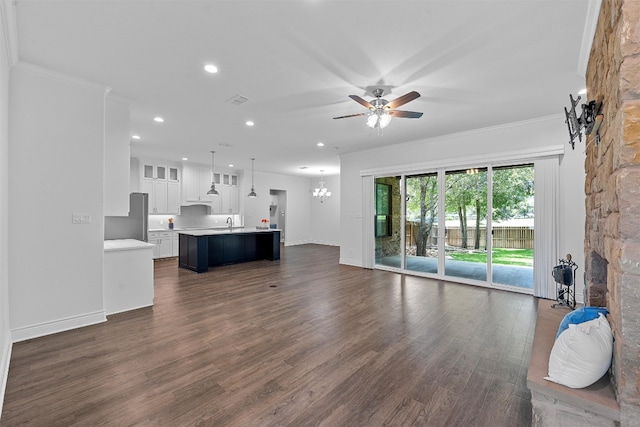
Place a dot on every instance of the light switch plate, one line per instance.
(81, 218)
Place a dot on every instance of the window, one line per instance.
(383, 210)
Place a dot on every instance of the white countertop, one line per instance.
(208, 232)
(125, 245)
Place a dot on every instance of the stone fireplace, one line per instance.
(612, 189)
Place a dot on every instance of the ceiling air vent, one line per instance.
(237, 100)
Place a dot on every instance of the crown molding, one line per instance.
(62, 77)
(495, 159)
(590, 25)
(109, 94)
(9, 30)
(473, 132)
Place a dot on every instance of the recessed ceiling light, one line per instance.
(184, 159)
(210, 68)
(582, 91)
(158, 119)
(249, 123)
(320, 144)
(230, 165)
(135, 136)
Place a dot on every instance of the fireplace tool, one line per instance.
(565, 276)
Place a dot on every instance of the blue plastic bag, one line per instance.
(580, 315)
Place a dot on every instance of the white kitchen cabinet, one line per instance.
(173, 197)
(196, 181)
(162, 183)
(229, 203)
(163, 243)
(151, 171)
(127, 275)
(175, 244)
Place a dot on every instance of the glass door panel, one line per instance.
(512, 226)
(465, 226)
(421, 223)
(387, 222)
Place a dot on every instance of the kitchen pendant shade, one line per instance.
(252, 194)
(212, 191)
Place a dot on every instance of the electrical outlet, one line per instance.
(81, 218)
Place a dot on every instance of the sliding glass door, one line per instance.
(512, 226)
(471, 225)
(387, 222)
(421, 223)
(466, 224)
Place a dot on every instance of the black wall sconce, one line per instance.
(590, 120)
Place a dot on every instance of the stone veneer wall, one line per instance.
(612, 188)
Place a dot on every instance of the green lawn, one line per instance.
(522, 257)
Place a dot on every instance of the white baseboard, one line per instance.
(352, 262)
(60, 325)
(5, 358)
(296, 243)
(324, 242)
(122, 310)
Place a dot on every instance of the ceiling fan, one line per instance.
(382, 110)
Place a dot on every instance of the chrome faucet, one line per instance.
(230, 222)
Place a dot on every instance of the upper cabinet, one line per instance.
(197, 181)
(162, 183)
(195, 184)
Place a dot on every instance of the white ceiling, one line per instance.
(476, 63)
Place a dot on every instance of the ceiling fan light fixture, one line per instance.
(372, 120)
(378, 119)
(385, 119)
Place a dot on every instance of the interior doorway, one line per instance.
(277, 211)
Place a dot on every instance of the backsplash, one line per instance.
(192, 217)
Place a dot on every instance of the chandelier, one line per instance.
(322, 192)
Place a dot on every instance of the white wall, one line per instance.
(325, 216)
(524, 137)
(56, 170)
(5, 333)
(298, 213)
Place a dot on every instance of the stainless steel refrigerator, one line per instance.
(133, 226)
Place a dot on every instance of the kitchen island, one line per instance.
(201, 249)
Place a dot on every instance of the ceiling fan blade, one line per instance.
(402, 100)
(406, 114)
(364, 102)
(351, 115)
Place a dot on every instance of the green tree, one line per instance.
(422, 192)
(466, 191)
(512, 190)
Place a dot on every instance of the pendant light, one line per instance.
(252, 194)
(212, 191)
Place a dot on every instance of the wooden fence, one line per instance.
(503, 237)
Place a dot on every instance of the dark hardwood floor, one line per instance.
(302, 341)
